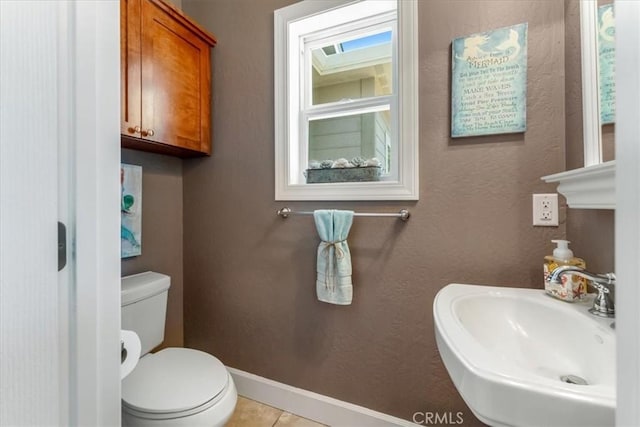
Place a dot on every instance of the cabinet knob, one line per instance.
(135, 129)
(148, 132)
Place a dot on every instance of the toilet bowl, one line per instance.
(174, 386)
(178, 387)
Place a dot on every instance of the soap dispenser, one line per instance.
(573, 287)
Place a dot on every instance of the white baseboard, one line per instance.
(314, 406)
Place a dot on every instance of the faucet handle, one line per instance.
(610, 277)
(607, 279)
(603, 304)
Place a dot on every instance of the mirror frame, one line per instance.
(592, 129)
(406, 186)
(592, 186)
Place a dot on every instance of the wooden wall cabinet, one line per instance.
(166, 80)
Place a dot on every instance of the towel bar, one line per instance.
(404, 214)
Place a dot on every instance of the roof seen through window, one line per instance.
(359, 43)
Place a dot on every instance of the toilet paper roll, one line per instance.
(130, 348)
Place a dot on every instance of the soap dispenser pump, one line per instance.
(573, 287)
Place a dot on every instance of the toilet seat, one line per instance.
(174, 382)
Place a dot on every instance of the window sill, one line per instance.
(592, 187)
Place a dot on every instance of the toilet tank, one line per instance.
(143, 300)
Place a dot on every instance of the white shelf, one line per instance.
(592, 187)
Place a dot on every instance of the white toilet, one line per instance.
(175, 386)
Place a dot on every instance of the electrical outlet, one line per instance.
(545, 210)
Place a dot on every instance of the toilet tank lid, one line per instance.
(142, 285)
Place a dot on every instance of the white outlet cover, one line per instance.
(545, 210)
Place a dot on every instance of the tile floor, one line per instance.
(250, 413)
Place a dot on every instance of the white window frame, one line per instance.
(290, 156)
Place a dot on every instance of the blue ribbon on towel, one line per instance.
(333, 283)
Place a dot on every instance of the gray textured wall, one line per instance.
(161, 231)
(249, 295)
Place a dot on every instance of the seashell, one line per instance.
(358, 162)
(314, 164)
(342, 163)
(373, 162)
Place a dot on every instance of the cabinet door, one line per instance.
(130, 67)
(175, 82)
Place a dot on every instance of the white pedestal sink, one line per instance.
(516, 356)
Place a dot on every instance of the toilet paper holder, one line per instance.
(130, 349)
(123, 352)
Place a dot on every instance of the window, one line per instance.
(346, 87)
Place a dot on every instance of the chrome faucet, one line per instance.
(603, 305)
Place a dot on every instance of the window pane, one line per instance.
(352, 68)
(363, 135)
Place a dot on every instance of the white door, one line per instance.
(33, 332)
(59, 161)
(627, 248)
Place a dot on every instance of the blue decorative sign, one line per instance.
(489, 82)
(607, 64)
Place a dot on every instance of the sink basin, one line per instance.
(519, 357)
